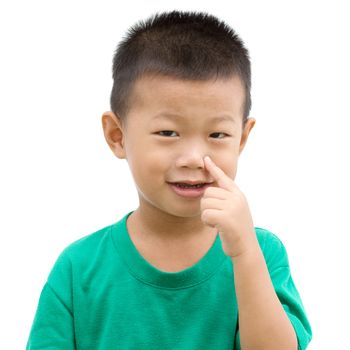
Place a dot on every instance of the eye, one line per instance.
(170, 132)
(223, 133)
(165, 132)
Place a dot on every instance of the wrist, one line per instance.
(251, 252)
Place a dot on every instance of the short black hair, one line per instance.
(185, 45)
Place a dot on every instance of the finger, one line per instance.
(212, 203)
(215, 192)
(218, 174)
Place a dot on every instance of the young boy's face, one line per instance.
(161, 149)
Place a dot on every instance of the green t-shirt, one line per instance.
(102, 294)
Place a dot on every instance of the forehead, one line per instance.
(162, 95)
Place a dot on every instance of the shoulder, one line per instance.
(273, 249)
(88, 243)
(81, 253)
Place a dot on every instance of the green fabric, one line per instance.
(102, 294)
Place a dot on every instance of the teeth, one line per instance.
(189, 186)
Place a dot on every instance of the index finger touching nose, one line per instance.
(218, 174)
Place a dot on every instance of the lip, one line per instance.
(190, 182)
(189, 192)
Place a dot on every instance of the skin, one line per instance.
(175, 232)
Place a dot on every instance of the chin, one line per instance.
(185, 212)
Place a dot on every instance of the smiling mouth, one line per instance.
(184, 185)
(189, 191)
(190, 185)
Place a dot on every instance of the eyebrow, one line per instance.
(224, 117)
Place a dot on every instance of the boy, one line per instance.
(186, 269)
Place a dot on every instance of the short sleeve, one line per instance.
(53, 325)
(277, 263)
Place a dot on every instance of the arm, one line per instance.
(263, 323)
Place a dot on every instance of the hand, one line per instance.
(226, 208)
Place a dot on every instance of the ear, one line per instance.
(248, 127)
(114, 133)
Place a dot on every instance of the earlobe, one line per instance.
(114, 134)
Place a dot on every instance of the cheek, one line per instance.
(229, 165)
(233, 173)
(154, 167)
(147, 167)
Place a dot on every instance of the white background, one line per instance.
(60, 181)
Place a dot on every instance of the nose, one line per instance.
(192, 158)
